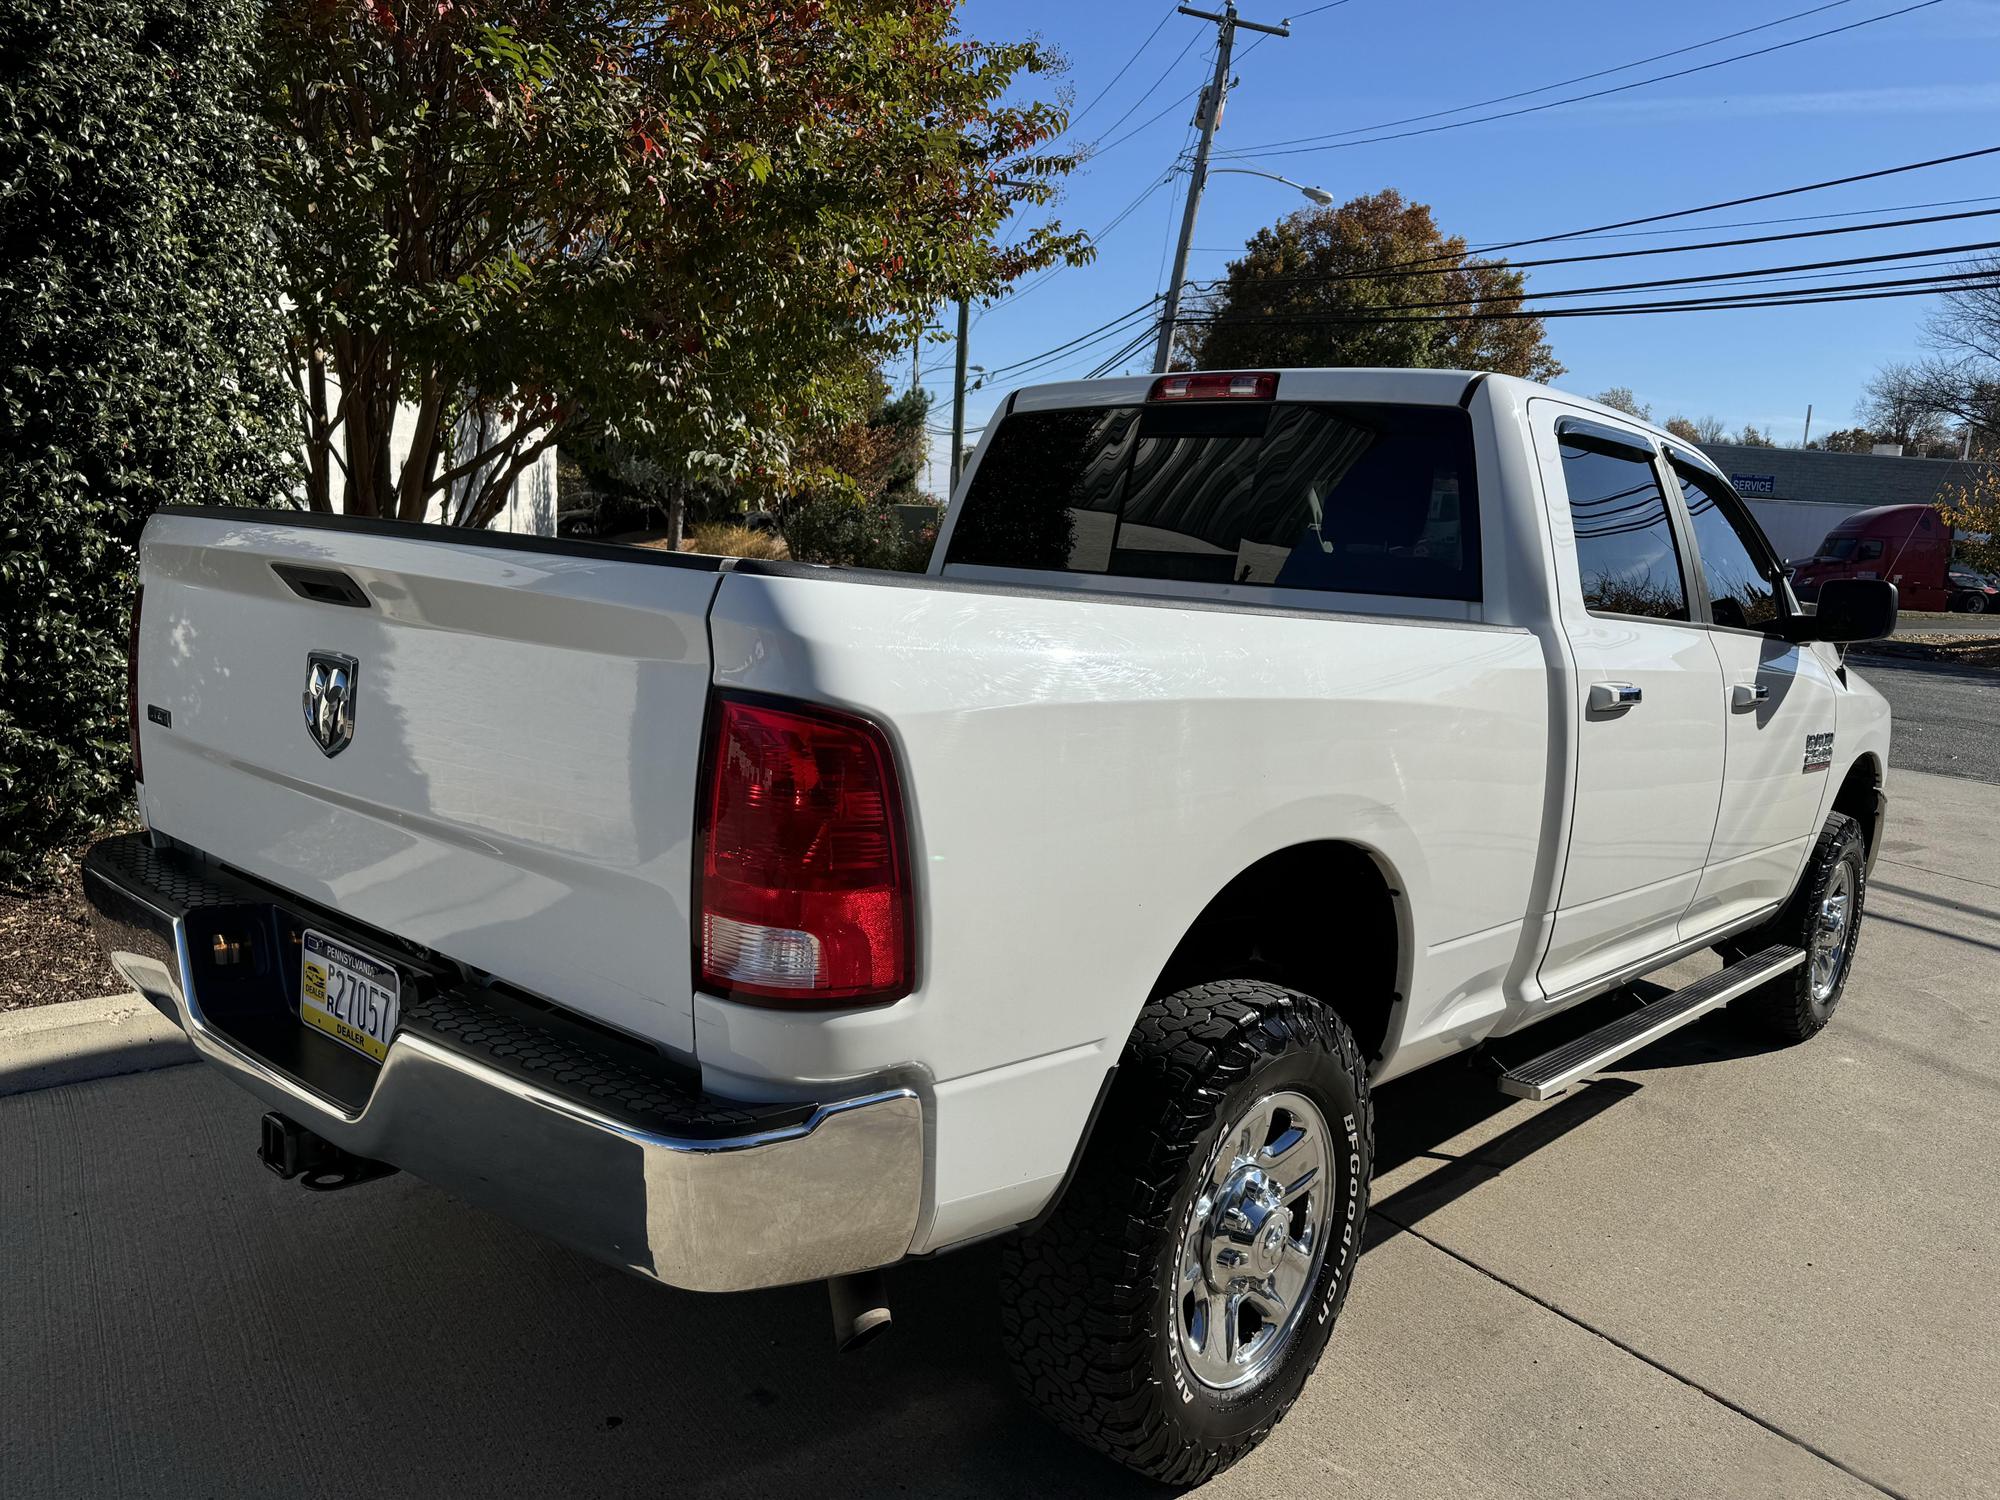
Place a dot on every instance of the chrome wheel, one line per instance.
(1829, 938)
(1254, 1242)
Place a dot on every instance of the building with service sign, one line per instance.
(1800, 494)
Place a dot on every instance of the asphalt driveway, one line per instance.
(1947, 715)
(1720, 1270)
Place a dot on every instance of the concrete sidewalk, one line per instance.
(1720, 1270)
(83, 1040)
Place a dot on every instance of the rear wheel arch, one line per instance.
(1345, 912)
(1328, 918)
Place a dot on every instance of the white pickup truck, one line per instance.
(1254, 738)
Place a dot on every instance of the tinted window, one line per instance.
(1742, 586)
(1351, 498)
(1869, 549)
(1838, 548)
(1625, 551)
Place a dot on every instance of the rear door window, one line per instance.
(1625, 553)
(1345, 498)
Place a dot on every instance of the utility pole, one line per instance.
(958, 397)
(1210, 115)
(1806, 440)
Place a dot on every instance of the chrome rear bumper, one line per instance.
(584, 1136)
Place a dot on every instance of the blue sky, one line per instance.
(1916, 86)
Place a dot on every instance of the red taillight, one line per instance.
(803, 875)
(1262, 387)
(132, 683)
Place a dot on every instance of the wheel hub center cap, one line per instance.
(1245, 1233)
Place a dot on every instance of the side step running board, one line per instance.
(1548, 1075)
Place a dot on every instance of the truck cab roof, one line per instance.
(1335, 383)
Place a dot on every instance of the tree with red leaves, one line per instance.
(676, 225)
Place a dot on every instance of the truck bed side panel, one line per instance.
(1084, 775)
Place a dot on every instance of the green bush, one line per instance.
(138, 362)
(844, 531)
(919, 541)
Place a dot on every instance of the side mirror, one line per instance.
(1850, 609)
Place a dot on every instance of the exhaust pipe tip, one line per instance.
(860, 1306)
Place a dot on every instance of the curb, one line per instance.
(1977, 652)
(80, 1040)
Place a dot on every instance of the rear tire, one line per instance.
(1823, 917)
(1169, 1311)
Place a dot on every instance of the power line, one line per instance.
(1852, 292)
(1857, 292)
(1192, 93)
(1714, 41)
(1097, 150)
(1790, 192)
(1103, 330)
(1863, 291)
(1193, 37)
(1271, 149)
(1056, 270)
(1081, 348)
(1919, 260)
(1713, 277)
(1640, 234)
(1435, 267)
(1105, 366)
(1150, 120)
(1145, 125)
(1854, 213)
(1434, 262)
(1097, 98)
(1052, 368)
(1810, 265)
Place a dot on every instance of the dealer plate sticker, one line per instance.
(347, 995)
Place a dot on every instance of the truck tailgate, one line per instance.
(518, 790)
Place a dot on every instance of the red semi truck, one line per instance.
(1910, 546)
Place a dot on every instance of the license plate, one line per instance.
(347, 995)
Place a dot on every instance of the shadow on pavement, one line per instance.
(933, 1405)
(388, 1341)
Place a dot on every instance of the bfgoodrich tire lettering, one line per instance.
(1092, 1309)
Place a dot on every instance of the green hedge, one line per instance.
(856, 534)
(139, 362)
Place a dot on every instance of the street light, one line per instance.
(1163, 356)
(1318, 195)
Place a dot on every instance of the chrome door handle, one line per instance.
(1613, 697)
(1749, 694)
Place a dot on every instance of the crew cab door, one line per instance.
(1649, 731)
(1778, 699)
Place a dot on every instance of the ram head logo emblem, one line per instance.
(329, 700)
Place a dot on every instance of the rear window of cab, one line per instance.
(1348, 498)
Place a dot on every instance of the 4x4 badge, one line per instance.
(1819, 751)
(329, 700)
